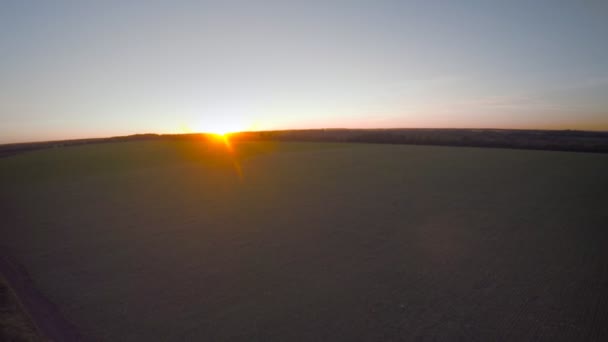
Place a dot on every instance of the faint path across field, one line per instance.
(44, 314)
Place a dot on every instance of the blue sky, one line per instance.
(71, 69)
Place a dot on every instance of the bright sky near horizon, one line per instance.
(72, 69)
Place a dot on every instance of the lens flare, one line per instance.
(224, 139)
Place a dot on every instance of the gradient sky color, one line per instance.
(71, 69)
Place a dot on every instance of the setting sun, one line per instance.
(222, 130)
(227, 121)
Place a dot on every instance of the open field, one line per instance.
(191, 240)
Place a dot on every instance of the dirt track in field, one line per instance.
(45, 316)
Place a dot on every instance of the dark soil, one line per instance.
(32, 316)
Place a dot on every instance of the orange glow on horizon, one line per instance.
(226, 125)
(224, 139)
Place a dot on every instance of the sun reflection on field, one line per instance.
(224, 139)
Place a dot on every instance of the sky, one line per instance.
(75, 69)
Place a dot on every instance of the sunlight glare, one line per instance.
(226, 122)
(224, 139)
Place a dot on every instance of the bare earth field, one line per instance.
(284, 241)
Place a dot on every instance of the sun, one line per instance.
(223, 132)
(224, 126)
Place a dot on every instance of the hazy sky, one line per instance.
(98, 68)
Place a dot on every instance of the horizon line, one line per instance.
(305, 129)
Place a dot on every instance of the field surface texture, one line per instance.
(193, 241)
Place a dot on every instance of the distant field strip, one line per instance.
(165, 241)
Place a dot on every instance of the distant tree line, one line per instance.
(565, 140)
